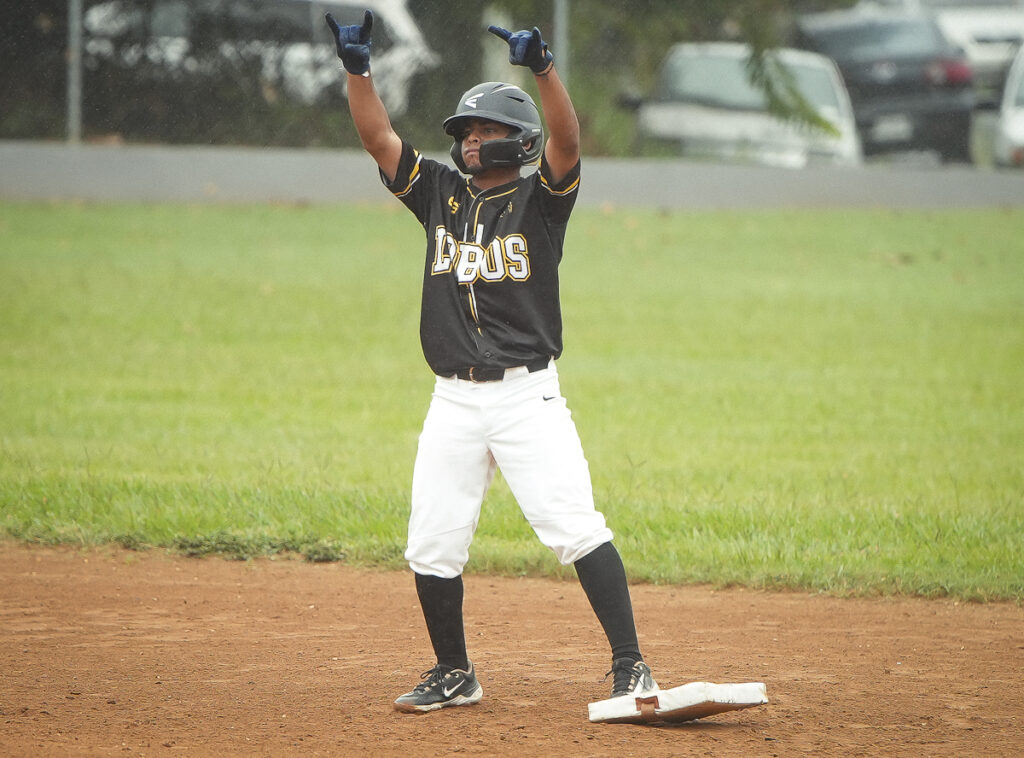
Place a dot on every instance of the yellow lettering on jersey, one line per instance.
(467, 266)
(505, 258)
(453, 204)
(492, 268)
(516, 257)
(445, 250)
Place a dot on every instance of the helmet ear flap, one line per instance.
(456, 152)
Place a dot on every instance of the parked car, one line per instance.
(989, 31)
(705, 106)
(1009, 138)
(912, 89)
(289, 38)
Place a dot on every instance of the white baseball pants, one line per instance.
(521, 425)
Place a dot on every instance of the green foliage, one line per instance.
(825, 400)
(619, 47)
(226, 98)
(242, 547)
(782, 96)
(33, 84)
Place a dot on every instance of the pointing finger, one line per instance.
(498, 31)
(333, 24)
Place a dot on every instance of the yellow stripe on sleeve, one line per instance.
(571, 188)
(414, 175)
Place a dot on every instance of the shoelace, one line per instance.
(431, 679)
(625, 678)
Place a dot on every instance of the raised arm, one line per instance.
(368, 112)
(563, 148)
(527, 48)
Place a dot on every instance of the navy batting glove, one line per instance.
(526, 48)
(353, 44)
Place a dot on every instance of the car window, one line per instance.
(815, 84)
(872, 41)
(722, 81)
(709, 80)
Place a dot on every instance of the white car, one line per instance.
(298, 53)
(1009, 138)
(704, 106)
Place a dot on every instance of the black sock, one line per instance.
(604, 580)
(441, 602)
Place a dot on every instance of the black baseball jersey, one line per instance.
(490, 279)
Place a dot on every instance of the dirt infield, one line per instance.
(124, 653)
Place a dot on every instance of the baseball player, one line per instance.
(491, 329)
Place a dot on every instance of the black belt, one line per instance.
(497, 374)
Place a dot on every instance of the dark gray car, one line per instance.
(911, 88)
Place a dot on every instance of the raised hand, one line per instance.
(526, 48)
(353, 44)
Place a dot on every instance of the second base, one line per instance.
(686, 703)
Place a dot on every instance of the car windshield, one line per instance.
(871, 41)
(722, 81)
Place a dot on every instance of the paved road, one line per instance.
(36, 170)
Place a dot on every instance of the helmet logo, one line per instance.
(471, 101)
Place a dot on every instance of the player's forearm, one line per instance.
(560, 115)
(373, 123)
(368, 112)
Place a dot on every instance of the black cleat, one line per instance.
(631, 677)
(441, 687)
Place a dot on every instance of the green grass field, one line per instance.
(823, 400)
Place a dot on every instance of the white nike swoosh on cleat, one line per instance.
(448, 692)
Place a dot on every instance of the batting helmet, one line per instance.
(508, 105)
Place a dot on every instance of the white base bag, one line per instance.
(686, 703)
